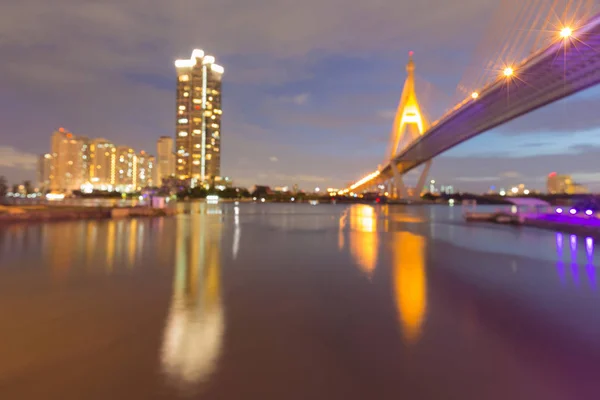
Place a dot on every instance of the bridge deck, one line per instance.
(560, 70)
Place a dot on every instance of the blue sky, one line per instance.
(309, 87)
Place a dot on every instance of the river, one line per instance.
(276, 301)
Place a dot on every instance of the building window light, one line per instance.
(183, 134)
(197, 131)
(207, 113)
(197, 146)
(180, 161)
(186, 94)
(183, 120)
(209, 156)
(213, 117)
(196, 162)
(215, 125)
(197, 101)
(182, 107)
(184, 78)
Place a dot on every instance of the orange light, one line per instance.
(566, 32)
(474, 95)
(508, 71)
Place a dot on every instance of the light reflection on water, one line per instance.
(575, 258)
(410, 283)
(195, 324)
(363, 237)
(390, 266)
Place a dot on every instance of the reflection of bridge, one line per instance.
(555, 72)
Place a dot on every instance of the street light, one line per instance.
(474, 95)
(508, 72)
(566, 32)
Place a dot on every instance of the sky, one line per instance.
(309, 90)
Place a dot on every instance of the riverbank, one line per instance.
(46, 213)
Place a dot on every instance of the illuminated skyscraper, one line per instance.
(100, 166)
(165, 167)
(144, 171)
(198, 122)
(125, 169)
(68, 162)
(563, 184)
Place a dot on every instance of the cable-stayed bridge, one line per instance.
(570, 63)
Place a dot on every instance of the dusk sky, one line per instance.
(309, 89)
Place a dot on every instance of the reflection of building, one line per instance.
(563, 184)
(198, 124)
(44, 171)
(410, 282)
(363, 236)
(165, 163)
(68, 162)
(195, 325)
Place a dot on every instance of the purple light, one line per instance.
(559, 210)
(588, 212)
(573, 211)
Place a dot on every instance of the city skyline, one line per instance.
(312, 105)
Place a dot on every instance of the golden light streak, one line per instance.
(410, 284)
(363, 237)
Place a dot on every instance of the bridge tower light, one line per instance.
(474, 95)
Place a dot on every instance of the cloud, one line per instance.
(299, 99)
(387, 114)
(476, 173)
(510, 174)
(579, 113)
(13, 158)
(478, 179)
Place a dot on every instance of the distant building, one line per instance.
(145, 170)
(125, 169)
(198, 122)
(563, 184)
(101, 171)
(44, 171)
(165, 163)
(68, 171)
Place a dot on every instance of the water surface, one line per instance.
(273, 301)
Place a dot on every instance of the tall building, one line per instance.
(145, 167)
(165, 167)
(100, 167)
(198, 122)
(44, 171)
(68, 162)
(563, 184)
(558, 183)
(125, 169)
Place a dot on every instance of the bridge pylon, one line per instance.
(409, 125)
